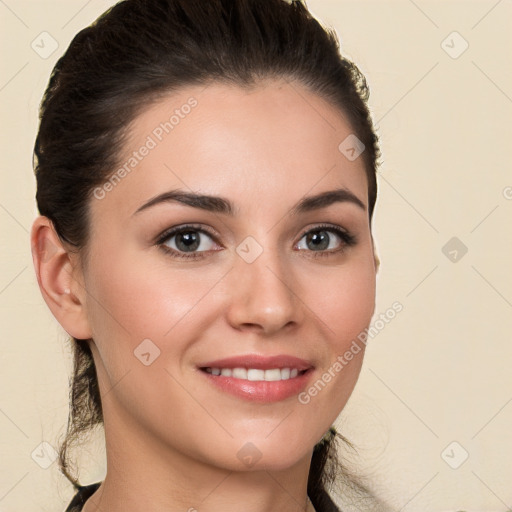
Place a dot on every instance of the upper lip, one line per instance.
(259, 362)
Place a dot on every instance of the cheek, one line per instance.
(143, 318)
(133, 299)
(344, 301)
(345, 308)
(136, 299)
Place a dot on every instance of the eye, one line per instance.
(326, 240)
(186, 241)
(191, 241)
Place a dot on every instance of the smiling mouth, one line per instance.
(255, 374)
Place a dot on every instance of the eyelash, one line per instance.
(348, 240)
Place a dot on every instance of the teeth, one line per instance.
(239, 373)
(255, 374)
(272, 375)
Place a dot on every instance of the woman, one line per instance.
(206, 178)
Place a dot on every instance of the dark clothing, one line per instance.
(86, 491)
(79, 499)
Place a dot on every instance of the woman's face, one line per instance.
(263, 272)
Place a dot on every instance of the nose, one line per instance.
(265, 294)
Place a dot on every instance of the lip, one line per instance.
(259, 362)
(259, 391)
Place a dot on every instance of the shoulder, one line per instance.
(83, 493)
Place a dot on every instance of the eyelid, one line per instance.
(328, 227)
(162, 237)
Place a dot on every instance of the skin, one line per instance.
(171, 437)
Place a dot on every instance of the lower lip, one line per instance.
(260, 391)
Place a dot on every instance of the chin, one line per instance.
(258, 453)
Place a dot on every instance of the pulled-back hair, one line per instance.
(133, 54)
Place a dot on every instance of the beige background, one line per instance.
(440, 371)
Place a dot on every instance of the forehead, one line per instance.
(271, 143)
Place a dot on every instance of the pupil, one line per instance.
(319, 239)
(189, 239)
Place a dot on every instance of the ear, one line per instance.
(60, 278)
(375, 257)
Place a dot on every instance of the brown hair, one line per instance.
(137, 51)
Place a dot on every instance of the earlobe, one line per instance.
(376, 258)
(55, 272)
(377, 262)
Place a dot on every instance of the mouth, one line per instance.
(259, 379)
(256, 374)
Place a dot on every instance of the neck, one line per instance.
(145, 476)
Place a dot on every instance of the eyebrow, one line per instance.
(222, 205)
